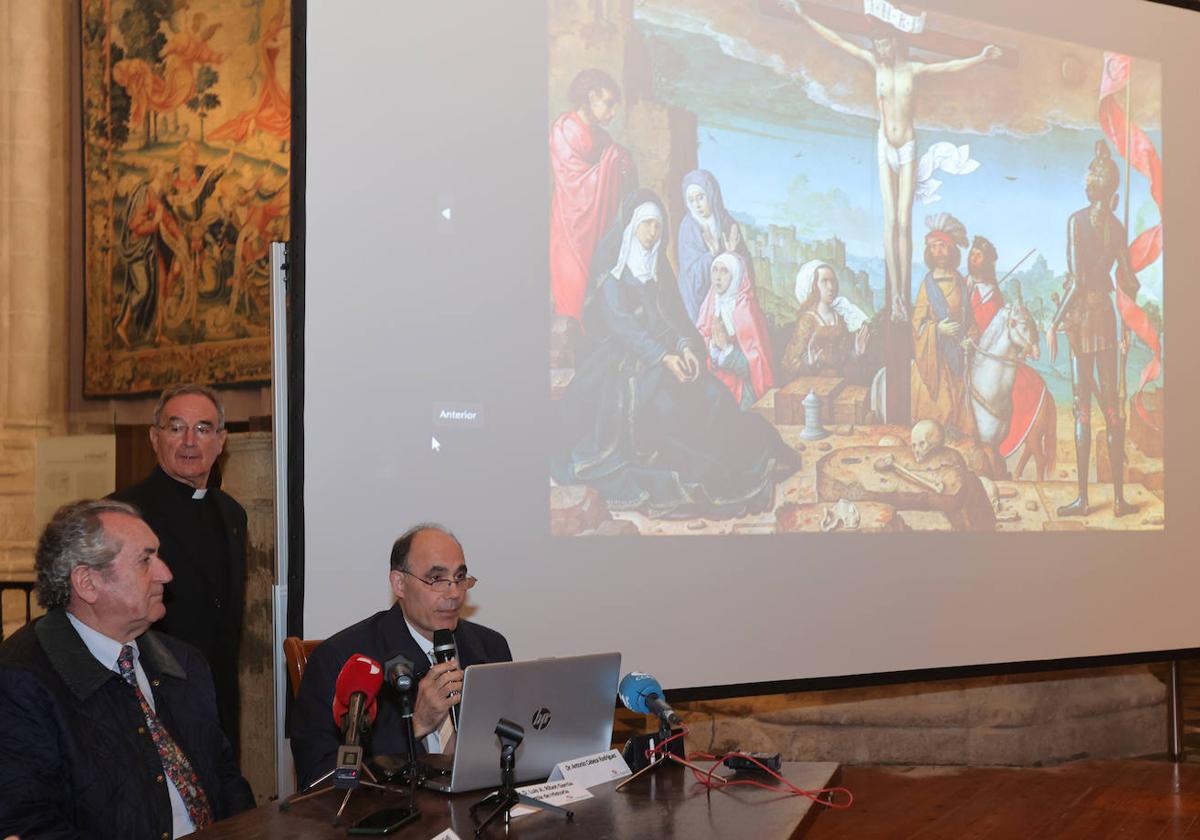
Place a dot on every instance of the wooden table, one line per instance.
(665, 803)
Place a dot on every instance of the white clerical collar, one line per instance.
(104, 649)
(426, 645)
(199, 492)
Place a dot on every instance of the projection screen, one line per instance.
(758, 341)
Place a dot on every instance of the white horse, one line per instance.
(1011, 336)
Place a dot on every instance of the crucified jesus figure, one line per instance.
(897, 145)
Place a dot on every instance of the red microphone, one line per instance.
(354, 707)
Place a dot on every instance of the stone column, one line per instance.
(35, 197)
(248, 474)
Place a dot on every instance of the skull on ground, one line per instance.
(927, 438)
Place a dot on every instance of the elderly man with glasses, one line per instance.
(203, 536)
(109, 728)
(430, 581)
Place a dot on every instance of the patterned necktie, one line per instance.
(174, 763)
(447, 735)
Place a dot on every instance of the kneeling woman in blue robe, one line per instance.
(643, 421)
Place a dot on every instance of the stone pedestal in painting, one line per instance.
(789, 400)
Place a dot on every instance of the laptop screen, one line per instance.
(564, 704)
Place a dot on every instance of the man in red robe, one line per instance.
(1029, 390)
(591, 174)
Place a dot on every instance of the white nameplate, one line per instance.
(562, 792)
(592, 770)
(448, 834)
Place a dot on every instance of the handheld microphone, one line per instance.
(643, 694)
(444, 650)
(354, 707)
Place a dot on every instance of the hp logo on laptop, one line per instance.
(541, 718)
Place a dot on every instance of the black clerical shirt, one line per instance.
(203, 542)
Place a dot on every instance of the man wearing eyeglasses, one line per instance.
(202, 535)
(429, 580)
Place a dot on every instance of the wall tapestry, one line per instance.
(186, 120)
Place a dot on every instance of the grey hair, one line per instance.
(403, 545)
(75, 536)
(190, 388)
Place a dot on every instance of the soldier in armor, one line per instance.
(1096, 240)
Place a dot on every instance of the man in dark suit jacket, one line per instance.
(430, 581)
(110, 728)
(203, 536)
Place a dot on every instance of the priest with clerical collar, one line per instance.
(203, 535)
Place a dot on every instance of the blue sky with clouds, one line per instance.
(781, 158)
(827, 184)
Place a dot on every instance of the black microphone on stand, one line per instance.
(398, 672)
(444, 650)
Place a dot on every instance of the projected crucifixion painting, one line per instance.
(850, 267)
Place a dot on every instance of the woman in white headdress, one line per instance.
(732, 324)
(831, 333)
(643, 420)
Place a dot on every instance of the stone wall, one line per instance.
(1021, 720)
(35, 192)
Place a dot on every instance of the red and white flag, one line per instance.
(1148, 245)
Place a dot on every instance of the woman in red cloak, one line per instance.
(735, 332)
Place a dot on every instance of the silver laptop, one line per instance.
(566, 706)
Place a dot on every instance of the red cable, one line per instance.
(710, 780)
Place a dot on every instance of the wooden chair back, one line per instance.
(296, 652)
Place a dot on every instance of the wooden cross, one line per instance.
(857, 23)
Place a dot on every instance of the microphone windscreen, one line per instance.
(635, 688)
(398, 671)
(360, 673)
